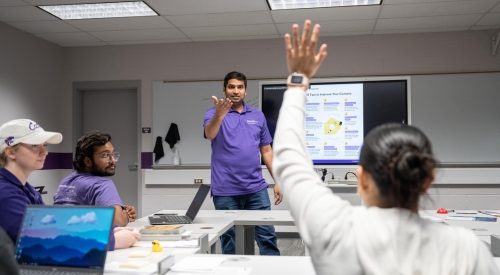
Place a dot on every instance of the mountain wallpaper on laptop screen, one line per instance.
(76, 239)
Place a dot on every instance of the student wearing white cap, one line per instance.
(22, 151)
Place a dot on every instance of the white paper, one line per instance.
(169, 244)
(220, 271)
(198, 264)
(114, 267)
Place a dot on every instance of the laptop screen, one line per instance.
(64, 236)
(198, 200)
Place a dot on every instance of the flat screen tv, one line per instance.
(340, 112)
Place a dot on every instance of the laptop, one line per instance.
(193, 209)
(64, 239)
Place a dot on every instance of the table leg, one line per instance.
(245, 239)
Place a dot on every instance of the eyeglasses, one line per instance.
(108, 156)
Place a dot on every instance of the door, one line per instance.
(115, 112)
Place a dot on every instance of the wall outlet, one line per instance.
(198, 181)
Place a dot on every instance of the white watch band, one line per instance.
(297, 79)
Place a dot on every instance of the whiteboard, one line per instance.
(185, 104)
(460, 113)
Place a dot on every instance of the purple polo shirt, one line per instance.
(14, 197)
(236, 168)
(86, 189)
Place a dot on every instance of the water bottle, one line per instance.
(177, 158)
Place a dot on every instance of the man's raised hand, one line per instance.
(222, 106)
(301, 54)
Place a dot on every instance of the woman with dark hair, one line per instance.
(396, 168)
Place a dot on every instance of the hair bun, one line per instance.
(412, 166)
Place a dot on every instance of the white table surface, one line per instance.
(265, 217)
(265, 265)
(479, 228)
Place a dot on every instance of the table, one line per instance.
(245, 226)
(263, 265)
(212, 222)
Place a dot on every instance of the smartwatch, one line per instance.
(297, 79)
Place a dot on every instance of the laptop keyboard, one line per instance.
(50, 272)
(176, 219)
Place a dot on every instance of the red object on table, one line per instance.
(442, 211)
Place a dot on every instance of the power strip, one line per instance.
(339, 181)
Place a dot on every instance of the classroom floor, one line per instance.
(287, 247)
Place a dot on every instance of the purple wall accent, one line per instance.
(58, 161)
(146, 160)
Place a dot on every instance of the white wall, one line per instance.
(392, 54)
(31, 71)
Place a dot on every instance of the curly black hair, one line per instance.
(85, 148)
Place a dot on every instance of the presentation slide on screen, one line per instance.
(334, 122)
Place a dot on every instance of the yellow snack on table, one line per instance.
(156, 246)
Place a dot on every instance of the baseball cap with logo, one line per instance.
(25, 131)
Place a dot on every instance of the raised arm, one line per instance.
(315, 208)
(221, 108)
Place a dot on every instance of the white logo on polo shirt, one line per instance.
(251, 121)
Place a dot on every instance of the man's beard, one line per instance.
(100, 172)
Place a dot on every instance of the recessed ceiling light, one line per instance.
(100, 10)
(307, 4)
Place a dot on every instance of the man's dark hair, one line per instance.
(85, 148)
(235, 75)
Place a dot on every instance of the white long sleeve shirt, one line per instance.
(345, 239)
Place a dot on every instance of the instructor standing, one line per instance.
(239, 136)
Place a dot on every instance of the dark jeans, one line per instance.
(264, 235)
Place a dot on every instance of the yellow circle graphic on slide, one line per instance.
(332, 126)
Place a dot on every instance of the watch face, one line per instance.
(297, 79)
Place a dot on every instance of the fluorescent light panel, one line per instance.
(307, 4)
(100, 10)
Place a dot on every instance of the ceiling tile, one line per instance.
(155, 34)
(44, 26)
(68, 38)
(491, 27)
(496, 8)
(161, 41)
(119, 24)
(26, 13)
(225, 31)
(428, 22)
(221, 19)
(334, 26)
(325, 14)
(231, 38)
(490, 19)
(435, 9)
(422, 30)
(12, 3)
(346, 33)
(177, 7)
(83, 44)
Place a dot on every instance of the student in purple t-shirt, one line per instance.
(22, 151)
(239, 135)
(95, 159)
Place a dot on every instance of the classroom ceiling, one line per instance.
(220, 20)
